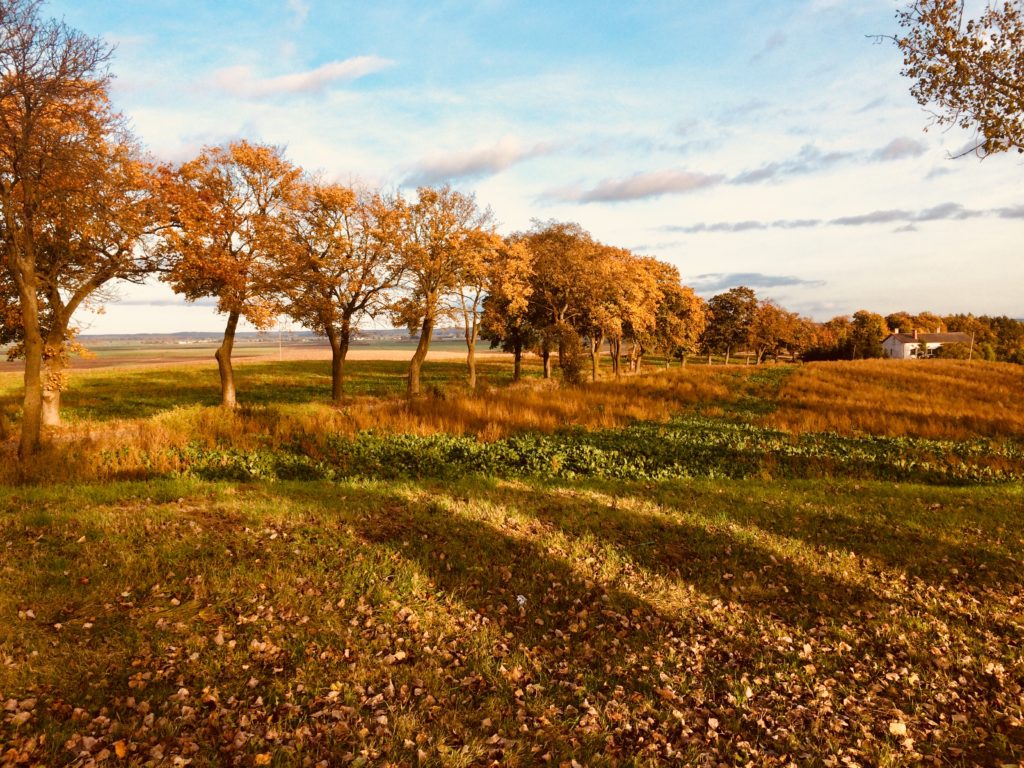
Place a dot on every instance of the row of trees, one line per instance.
(81, 206)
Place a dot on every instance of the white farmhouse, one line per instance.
(911, 346)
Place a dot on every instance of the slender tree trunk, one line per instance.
(32, 403)
(422, 347)
(616, 346)
(517, 361)
(727, 351)
(682, 360)
(471, 363)
(339, 339)
(595, 355)
(227, 372)
(709, 358)
(545, 355)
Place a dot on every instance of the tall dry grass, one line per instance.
(139, 447)
(939, 399)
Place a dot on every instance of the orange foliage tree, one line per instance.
(441, 233)
(56, 131)
(345, 262)
(233, 211)
(506, 321)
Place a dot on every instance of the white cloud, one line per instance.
(639, 187)
(242, 81)
(898, 149)
(475, 163)
(299, 10)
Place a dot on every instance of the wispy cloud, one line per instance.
(718, 281)
(809, 160)
(776, 40)
(299, 10)
(475, 163)
(241, 81)
(640, 186)
(943, 212)
(899, 149)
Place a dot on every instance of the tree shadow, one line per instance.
(717, 561)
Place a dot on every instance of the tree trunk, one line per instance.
(223, 355)
(517, 361)
(709, 358)
(471, 364)
(682, 361)
(32, 403)
(727, 351)
(422, 346)
(545, 354)
(339, 339)
(595, 355)
(51, 403)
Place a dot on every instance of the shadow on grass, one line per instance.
(929, 533)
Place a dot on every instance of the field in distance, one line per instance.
(763, 565)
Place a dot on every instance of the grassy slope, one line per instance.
(679, 621)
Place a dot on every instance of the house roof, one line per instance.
(931, 338)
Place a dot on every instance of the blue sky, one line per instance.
(770, 144)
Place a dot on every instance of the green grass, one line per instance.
(702, 591)
(104, 394)
(674, 622)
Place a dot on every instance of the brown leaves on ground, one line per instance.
(512, 624)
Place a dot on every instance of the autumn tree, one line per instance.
(506, 321)
(232, 209)
(680, 315)
(867, 330)
(968, 70)
(344, 263)
(772, 330)
(472, 282)
(103, 230)
(53, 117)
(564, 266)
(442, 229)
(601, 315)
(732, 315)
(641, 295)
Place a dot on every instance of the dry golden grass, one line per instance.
(129, 447)
(930, 398)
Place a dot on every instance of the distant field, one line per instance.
(121, 355)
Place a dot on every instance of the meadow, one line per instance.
(752, 565)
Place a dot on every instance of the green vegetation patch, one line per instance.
(685, 447)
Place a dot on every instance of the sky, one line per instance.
(773, 145)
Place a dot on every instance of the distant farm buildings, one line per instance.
(912, 346)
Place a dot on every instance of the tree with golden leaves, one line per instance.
(53, 119)
(345, 262)
(232, 208)
(103, 230)
(773, 329)
(680, 317)
(969, 69)
(506, 320)
(441, 232)
(475, 276)
(564, 257)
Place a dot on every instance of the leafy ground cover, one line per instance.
(512, 622)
